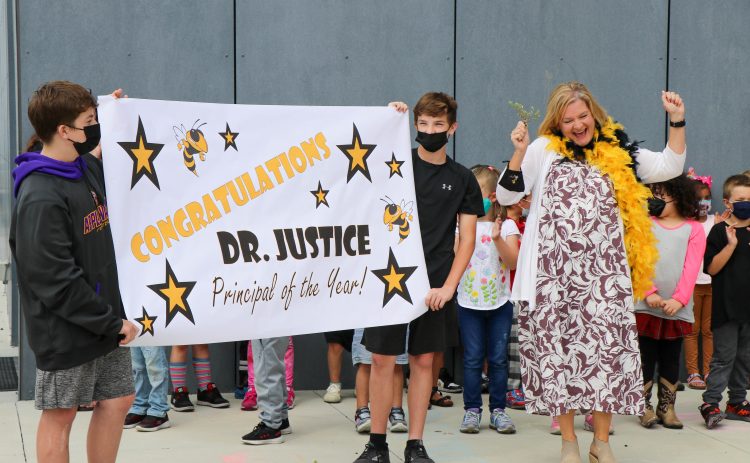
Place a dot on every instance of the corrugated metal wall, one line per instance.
(339, 52)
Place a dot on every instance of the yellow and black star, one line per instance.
(143, 155)
(175, 295)
(230, 138)
(147, 323)
(357, 152)
(394, 166)
(320, 196)
(394, 278)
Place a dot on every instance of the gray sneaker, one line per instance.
(472, 418)
(501, 422)
(397, 418)
(362, 420)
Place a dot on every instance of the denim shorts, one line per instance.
(363, 356)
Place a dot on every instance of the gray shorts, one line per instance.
(106, 377)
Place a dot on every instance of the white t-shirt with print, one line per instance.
(485, 285)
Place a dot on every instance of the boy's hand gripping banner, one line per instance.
(239, 222)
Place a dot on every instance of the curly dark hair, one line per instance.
(683, 193)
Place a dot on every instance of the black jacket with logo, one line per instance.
(62, 244)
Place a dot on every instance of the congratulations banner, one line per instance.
(236, 222)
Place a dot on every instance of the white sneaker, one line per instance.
(333, 394)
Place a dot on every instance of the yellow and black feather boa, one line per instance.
(612, 153)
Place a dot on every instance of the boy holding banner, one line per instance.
(445, 190)
(68, 279)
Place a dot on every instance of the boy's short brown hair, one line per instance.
(436, 104)
(735, 181)
(57, 103)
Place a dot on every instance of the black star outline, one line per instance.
(391, 270)
(394, 166)
(142, 147)
(355, 147)
(230, 138)
(180, 305)
(317, 193)
(147, 323)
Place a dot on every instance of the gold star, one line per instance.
(147, 323)
(142, 155)
(394, 166)
(320, 196)
(175, 294)
(357, 153)
(394, 279)
(230, 138)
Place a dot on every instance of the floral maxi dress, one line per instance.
(579, 345)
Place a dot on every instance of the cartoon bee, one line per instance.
(399, 215)
(191, 142)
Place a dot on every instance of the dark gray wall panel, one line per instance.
(520, 49)
(339, 52)
(173, 50)
(710, 65)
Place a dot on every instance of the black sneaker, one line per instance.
(371, 454)
(447, 384)
(416, 453)
(285, 428)
(153, 423)
(211, 397)
(262, 434)
(712, 414)
(131, 419)
(181, 400)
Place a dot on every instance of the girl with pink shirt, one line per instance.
(665, 317)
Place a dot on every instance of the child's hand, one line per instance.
(495, 233)
(671, 306)
(654, 300)
(718, 218)
(127, 332)
(117, 94)
(732, 237)
(437, 297)
(399, 106)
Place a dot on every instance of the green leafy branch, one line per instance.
(532, 114)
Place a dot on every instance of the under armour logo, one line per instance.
(447, 187)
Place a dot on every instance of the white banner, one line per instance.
(236, 222)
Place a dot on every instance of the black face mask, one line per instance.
(656, 206)
(432, 141)
(93, 136)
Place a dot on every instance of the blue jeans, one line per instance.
(485, 334)
(151, 376)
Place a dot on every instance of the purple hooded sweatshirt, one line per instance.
(32, 162)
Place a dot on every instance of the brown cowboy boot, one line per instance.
(649, 418)
(665, 408)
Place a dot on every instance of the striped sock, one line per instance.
(177, 372)
(202, 369)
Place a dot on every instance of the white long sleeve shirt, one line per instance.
(653, 167)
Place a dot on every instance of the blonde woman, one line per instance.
(587, 253)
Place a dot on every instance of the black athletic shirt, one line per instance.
(443, 192)
(730, 302)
